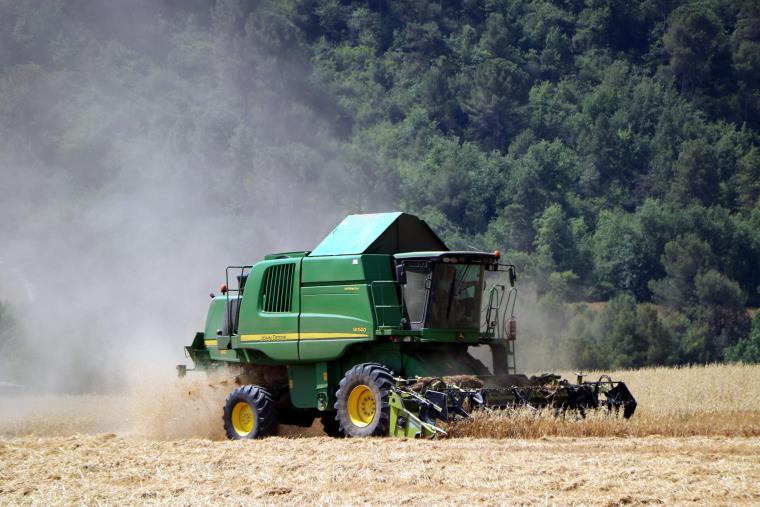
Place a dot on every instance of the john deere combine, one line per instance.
(371, 332)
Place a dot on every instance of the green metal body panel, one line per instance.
(355, 234)
(323, 312)
(388, 233)
(313, 385)
(215, 318)
(471, 336)
(216, 344)
(336, 303)
(275, 333)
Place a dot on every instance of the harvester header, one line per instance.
(372, 332)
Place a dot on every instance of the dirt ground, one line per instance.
(692, 440)
(106, 469)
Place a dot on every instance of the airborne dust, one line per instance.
(122, 208)
(128, 184)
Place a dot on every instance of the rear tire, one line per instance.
(363, 406)
(249, 412)
(331, 426)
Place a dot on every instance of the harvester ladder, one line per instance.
(233, 315)
(509, 309)
(379, 300)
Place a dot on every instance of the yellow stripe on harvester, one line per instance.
(210, 343)
(327, 336)
(278, 337)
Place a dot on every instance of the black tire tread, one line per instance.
(331, 425)
(369, 373)
(263, 404)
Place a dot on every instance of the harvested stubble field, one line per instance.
(694, 438)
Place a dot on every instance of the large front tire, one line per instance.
(249, 412)
(363, 401)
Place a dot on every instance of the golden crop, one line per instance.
(162, 443)
(698, 400)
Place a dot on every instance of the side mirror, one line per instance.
(400, 274)
(512, 276)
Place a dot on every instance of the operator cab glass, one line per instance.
(416, 291)
(444, 292)
(455, 294)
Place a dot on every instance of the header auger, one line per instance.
(371, 332)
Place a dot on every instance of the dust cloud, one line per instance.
(540, 325)
(129, 183)
(133, 171)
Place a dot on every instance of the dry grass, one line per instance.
(95, 470)
(157, 408)
(716, 400)
(170, 450)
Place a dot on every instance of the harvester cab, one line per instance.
(372, 332)
(443, 290)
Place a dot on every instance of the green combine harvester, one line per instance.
(372, 332)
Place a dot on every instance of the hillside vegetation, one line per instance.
(610, 148)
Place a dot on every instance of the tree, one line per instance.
(747, 350)
(721, 307)
(440, 180)
(618, 24)
(494, 90)
(545, 174)
(554, 240)
(615, 328)
(661, 345)
(620, 258)
(579, 343)
(748, 178)
(745, 58)
(694, 41)
(696, 176)
(684, 258)
(713, 302)
(512, 228)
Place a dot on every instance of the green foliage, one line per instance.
(620, 254)
(621, 335)
(713, 302)
(747, 350)
(608, 147)
(721, 302)
(696, 174)
(694, 40)
(748, 178)
(554, 240)
(684, 259)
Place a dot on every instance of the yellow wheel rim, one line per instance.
(361, 406)
(242, 418)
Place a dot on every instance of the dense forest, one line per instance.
(610, 148)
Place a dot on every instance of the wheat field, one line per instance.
(694, 438)
(698, 400)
